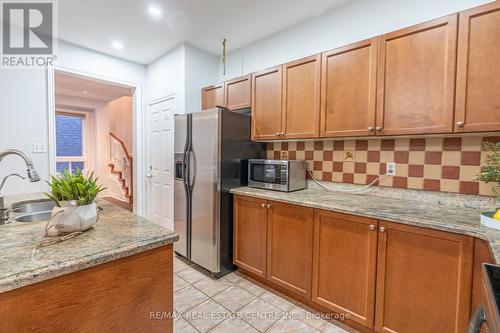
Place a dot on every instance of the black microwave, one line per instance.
(279, 175)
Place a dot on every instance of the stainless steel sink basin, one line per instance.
(34, 217)
(32, 211)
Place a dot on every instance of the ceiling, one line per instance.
(95, 24)
(76, 86)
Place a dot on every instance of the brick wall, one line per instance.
(433, 164)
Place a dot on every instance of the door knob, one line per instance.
(382, 229)
(460, 123)
(148, 175)
(371, 129)
(372, 227)
(379, 129)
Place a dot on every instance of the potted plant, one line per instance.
(74, 195)
(490, 173)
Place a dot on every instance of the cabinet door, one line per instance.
(238, 93)
(416, 82)
(349, 88)
(290, 245)
(266, 104)
(212, 96)
(250, 234)
(301, 98)
(478, 76)
(423, 280)
(344, 264)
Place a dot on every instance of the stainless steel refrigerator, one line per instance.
(211, 152)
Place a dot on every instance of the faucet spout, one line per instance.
(31, 171)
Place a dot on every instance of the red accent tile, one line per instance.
(373, 156)
(318, 165)
(269, 146)
(284, 146)
(361, 144)
(388, 145)
(452, 144)
(277, 155)
(432, 185)
(301, 145)
(416, 171)
(360, 167)
(292, 155)
(450, 172)
(327, 176)
(469, 188)
(348, 178)
(318, 145)
(417, 144)
(492, 139)
(400, 182)
(309, 155)
(401, 157)
(382, 168)
(338, 167)
(338, 145)
(433, 157)
(471, 158)
(328, 156)
(371, 178)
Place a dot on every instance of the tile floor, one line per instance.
(236, 303)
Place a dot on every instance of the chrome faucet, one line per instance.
(31, 172)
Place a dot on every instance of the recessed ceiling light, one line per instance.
(85, 92)
(117, 44)
(154, 11)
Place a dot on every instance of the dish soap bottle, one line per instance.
(497, 214)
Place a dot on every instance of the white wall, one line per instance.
(23, 111)
(349, 23)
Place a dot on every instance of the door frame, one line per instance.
(147, 153)
(137, 127)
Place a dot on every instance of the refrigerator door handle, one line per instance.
(184, 170)
(192, 182)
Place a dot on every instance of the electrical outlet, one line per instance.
(390, 169)
(284, 155)
(39, 148)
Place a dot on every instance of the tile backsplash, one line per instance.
(432, 164)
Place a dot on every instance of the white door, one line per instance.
(160, 175)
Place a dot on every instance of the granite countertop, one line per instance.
(117, 234)
(417, 212)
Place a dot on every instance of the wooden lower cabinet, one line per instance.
(344, 264)
(250, 234)
(290, 245)
(423, 280)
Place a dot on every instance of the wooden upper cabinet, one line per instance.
(424, 280)
(301, 98)
(238, 93)
(267, 104)
(478, 70)
(250, 234)
(349, 88)
(344, 264)
(289, 247)
(416, 79)
(212, 97)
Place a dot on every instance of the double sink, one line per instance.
(32, 211)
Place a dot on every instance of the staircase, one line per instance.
(121, 165)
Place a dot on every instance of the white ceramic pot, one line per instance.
(71, 218)
(488, 220)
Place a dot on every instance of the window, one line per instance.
(70, 142)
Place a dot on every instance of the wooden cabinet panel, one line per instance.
(212, 97)
(344, 264)
(290, 245)
(416, 82)
(266, 104)
(301, 98)
(423, 280)
(250, 234)
(478, 76)
(238, 93)
(482, 254)
(349, 88)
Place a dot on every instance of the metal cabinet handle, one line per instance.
(382, 229)
(372, 227)
(269, 206)
(263, 205)
(277, 134)
(282, 133)
(379, 129)
(460, 123)
(371, 129)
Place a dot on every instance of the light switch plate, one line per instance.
(39, 148)
(390, 169)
